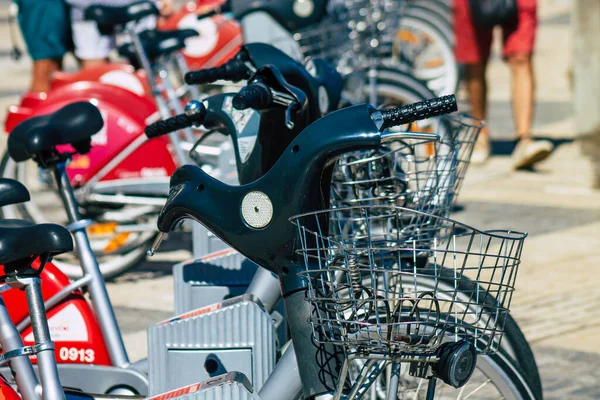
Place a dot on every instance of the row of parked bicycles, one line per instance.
(335, 208)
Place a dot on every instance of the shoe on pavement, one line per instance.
(529, 152)
(481, 150)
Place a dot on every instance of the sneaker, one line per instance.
(481, 150)
(528, 152)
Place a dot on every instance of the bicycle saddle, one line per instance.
(156, 44)
(21, 242)
(12, 192)
(74, 124)
(109, 18)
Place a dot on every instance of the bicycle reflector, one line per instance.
(257, 209)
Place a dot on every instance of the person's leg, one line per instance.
(472, 49)
(42, 74)
(93, 62)
(44, 25)
(519, 41)
(476, 85)
(521, 68)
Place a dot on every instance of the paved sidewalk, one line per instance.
(557, 300)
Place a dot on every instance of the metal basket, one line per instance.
(413, 174)
(365, 265)
(355, 32)
(417, 174)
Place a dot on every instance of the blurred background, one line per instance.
(557, 298)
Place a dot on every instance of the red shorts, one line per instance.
(473, 44)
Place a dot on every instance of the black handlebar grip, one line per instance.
(194, 116)
(256, 95)
(418, 111)
(233, 70)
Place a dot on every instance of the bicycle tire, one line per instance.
(110, 267)
(499, 370)
(440, 9)
(449, 81)
(434, 19)
(513, 344)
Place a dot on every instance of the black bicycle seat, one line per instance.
(109, 18)
(21, 242)
(73, 124)
(156, 44)
(12, 192)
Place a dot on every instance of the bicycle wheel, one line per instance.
(495, 377)
(423, 50)
(440, 9)
(427, 15)
(116, 251)
(513, 343)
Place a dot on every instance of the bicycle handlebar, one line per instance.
(194, 115)
(233, 70)
(257, 95)
(419, 111)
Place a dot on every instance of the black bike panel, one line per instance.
(283, 11)
(273, 136)
(261, 54)
(299, 182)
(333, 83)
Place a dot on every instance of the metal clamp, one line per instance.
(18, 282)
(25, 351)
(78, 225)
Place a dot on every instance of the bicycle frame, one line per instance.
(110, 349)
(125, 168)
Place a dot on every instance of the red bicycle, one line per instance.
(123, 181)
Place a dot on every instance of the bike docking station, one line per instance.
(218, 327)
(232, 385)
(237, 334)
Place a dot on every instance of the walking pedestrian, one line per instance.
(46, 30)
(474, 34)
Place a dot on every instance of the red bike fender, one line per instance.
(32, 102)
(125, 115)
(75, 332)
(113, 74)
(219, 38)
(53, 281)
(7, 392)
(16, 115)
(73, 325)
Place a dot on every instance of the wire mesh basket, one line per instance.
(381, 282)
(417, 174)
(354, 33)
